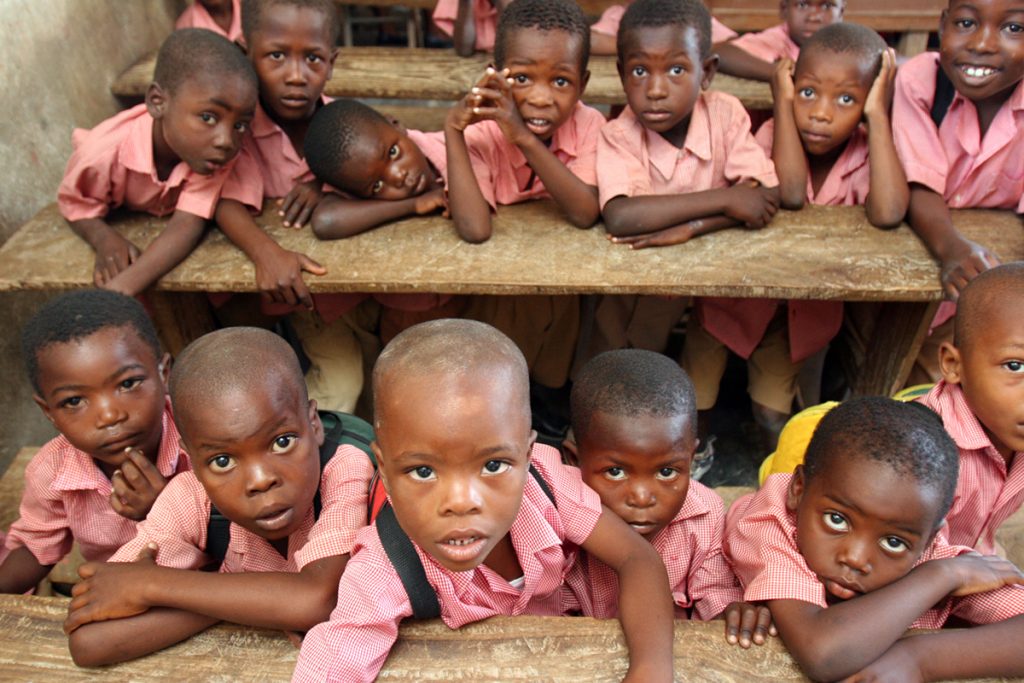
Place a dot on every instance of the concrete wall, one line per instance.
(57, 61)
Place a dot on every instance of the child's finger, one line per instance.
(146, 469)
(748, 621)
(763, 626)
(732, 625)
(304, 214)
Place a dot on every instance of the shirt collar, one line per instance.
(959, 419)
(564, 140)
(664, 155)
(263, 126)
(137, 152)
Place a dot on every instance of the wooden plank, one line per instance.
(11, 486)
(821, 252)
(881, 15)
(413, 116)
(431, 74)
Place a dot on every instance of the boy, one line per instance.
(522, 133)
(845, 553)
(95, 364)
(454, 445)
(169, 155)
(470, 23)
(634, 425)
(753, 55)
(604, 31)
(254, 437)
(220, 16)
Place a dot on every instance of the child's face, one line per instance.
(547, 80)
(454, 461)
(982, 47)
(294, 58)
(860, 525)
(385, 164)
(639, 465)
(204, 121)
(257, 455)
(663, 74)
(805, 17)
(105, 394)
(831, 90)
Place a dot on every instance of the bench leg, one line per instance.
(892, 347)
(180, 318)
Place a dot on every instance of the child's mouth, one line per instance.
(538, 126)
(839, 590)
(977, 74)
(657, 116)
(462, 548)
(275, 519)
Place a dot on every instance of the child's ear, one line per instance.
(585, 79)
(315, 423)
(571, 451)
(399, 126)
(710, 66)
(618, 67)
(796, 489)
(156, 100)
(44, 407)
(533, 440)
(164, 368)
(330, 62)
(378, 455)
(782, 9)
(949, 363)
(942, 22)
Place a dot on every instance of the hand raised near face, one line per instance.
(879, 98)
(483, 94)
(135, 486)
(782, 80)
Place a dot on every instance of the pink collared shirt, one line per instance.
(954, 160)
(610, 19)
(501, 169)
(485, 18)
(987, 493)
(770, 44)
(691, 548)
(113, 166)
(179, 518)
(352, 646)
(719, 151)
(760, 542)
(67, 498)
(196, 16)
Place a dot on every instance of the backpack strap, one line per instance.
(539, 478)
(407, 563)
(944, 94)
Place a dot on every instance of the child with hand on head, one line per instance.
(847, 554)
(94, 361)
(522, 133)
(171, 155)
(634, 426)
(604, 31)
(220, 16)
(753, 55)
(470, 23)
(254, 438)
(455, 451)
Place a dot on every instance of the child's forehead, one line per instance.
(640, 431)
(825, 64)
(278, 19)
(995, 6)
(560, 47)
(667, 38)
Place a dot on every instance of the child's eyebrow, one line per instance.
(214, 444)
(220, 103)
(112, 376)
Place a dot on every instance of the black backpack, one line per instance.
(944, 94)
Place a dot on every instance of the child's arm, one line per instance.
(464, 35)
(170, 248)
(830, 643)
(278, 271)
(114, 253)
(109, 642)
(337, 217)
(645, 603)
(21, 571)
(298, 205)
(736, 61)
(745, 203)
(888, 193)
(787, 148)
(676, 234)
(469, 209)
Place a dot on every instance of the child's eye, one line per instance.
(220, 463)
(377, 186)
(807, 93)
(71, 402)
(677, 70)
(207, 117)
(615, 473)
(561, 82)
(835, 521)
(393, 152)
(964, 23)
(313, 59)
(283, 443)
(520, 79)
(496, 467)
(276, 54)
(130, 383)
(422, 473)
(1015, 28)
(846, 99)
(242, 126)
(639, 71)
(1014, 366)
(668, 473)
(894, 544)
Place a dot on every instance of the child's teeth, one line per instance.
(461, 541)
(978, 71)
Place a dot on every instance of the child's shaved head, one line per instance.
(459, 348)
(860, 42)
(631, 382)
(189, 53)
(253, 12)
(994, 290)
(656, 13)
(542, 15)
(332, 135)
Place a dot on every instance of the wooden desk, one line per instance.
(817, 253)
(431, 74)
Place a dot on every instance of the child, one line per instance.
(470, 23)
(634, 425)
(171, 154)
(220, 16)
(254, 437)
(95, 364)
(603, 33)
(845, 554)
(454, 445)
(753, 55)
(522, 132)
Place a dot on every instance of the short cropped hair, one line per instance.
(908, 437)
(331, 135)
(994, 288)
(252, 14)
(79, 314)
(655, 13)
(542, 15)
(631, 382)
(861, 42)
(192, 52)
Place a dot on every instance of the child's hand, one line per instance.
(965, 263)
(465, 112)
(110, 590)
(752, 205)
(676, 234)
(114, 253)
(298, 205)
(279, 277)
(432, 200)
(897, 665)
(746, 624)
(136, 485)
(782, 80)
(880, 97)
(976, 573)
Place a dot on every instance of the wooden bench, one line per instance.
(413, 22)
(431, 74)
(817, 253)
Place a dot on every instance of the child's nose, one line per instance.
(856, 555)
(296, 72)
(461, 498)
(985, 39)
(260, 479)
(540, 95)
(657, 87)
(640, 496)
(821, 111)
(109, 413)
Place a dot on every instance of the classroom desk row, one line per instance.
(817, 253)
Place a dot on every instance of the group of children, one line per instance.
(280, 508)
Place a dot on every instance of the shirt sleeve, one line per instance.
(991, 607)
(85, 191)
(578, 506)
(588, 128)
(608, 24)
(711, 585)
(769, 44)
(201, 193)
(620, 170)
(765, 136)
(444, 15)
(744, 158)
(344, 490)
(42, 524)
(914, 133)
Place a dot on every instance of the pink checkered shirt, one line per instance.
(608, 24)
(67, 498)
(770, 44)
(986, 492)
(760, 543)
(352, 646)
(691, 548)
(178, 523)
(196, 16)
